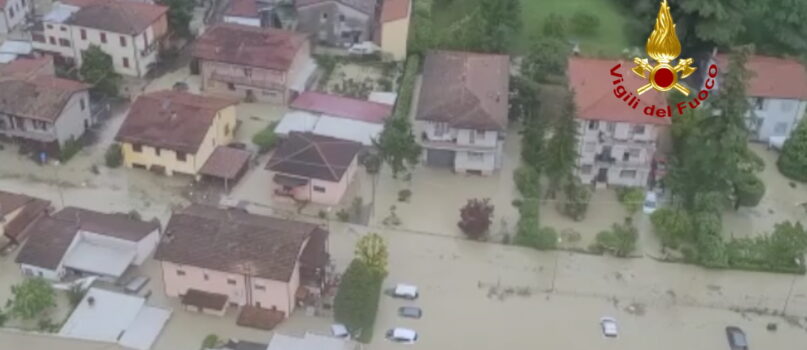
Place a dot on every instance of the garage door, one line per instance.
(440, 158)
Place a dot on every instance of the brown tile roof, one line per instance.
(255, 317)
(465, 90)
(226, 162)
(171, 119)
(12, 201)
(40, 97)
(314, 156)
(50, 237)
(393, 10)
(32, 210)
(23, 68)
(772, 77)
(125, 17)
(591, 81)
(242, 8)
(365, 6)
(344, 107)
(249, 46)
(199, 298)
(232, 240)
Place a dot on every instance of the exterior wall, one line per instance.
(631, 152)
(247, 21)
(33, 271)
(324, 22)
(146, 246)
(775, 117)
(74, 119)
(394, 36)
(298, 66)
(225, 120)
(333, 191)
(19, 9)
(475, 150)
(58, 32)
(266, 85)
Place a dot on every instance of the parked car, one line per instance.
(609, 327)
(402, 335)
(776, 142)
(410, 312)
(365, 48)
(736, 338)
(339, 330)
(650, 202)
(405, 291)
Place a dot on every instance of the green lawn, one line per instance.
(610, 40)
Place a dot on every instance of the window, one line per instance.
(52, 40)
(226, 129)
(440, 129)
(64, 29)
(590, 146)
(231, 86)
(83, 34)
(81, 102)
(341, 18)
(586, 169)
(759, 103)
(480, 134)
(103, 38)
(11, 12)
(625, 156)
(593, 125)
(64, 42)
(231, 281)
(319, 189)
(125, 62)
(248, 72)
(122, 41)
(137, 148)
(38, 37)
(180, 273)
(50, 26)
(638, 129)
(259, 287)
(476, 156)
(627, 174)
(611, 126)
(181, 156)
(324, 15)
(157, 151)
(471, 137)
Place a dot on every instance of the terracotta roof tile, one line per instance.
(243, 8)
(116, 225)
(249, 46)
(40, 97)
(172, 120)
(344, 107)
(26, 67)
(772, 77)
(465, 90)
(314, 156)
(393, 10)
(31, 210)
(226, 162)
(119, 16)
(591, 81)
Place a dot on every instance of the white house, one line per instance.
(461, 115)
(12, 13)
(81, 242)
(777, 91)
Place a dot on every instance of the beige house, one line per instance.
(175, 132)
(129, 31)
(17, 213)
(393, 28)
(617, 143)
(256, 64)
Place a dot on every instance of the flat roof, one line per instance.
(145, 328)
(332, 126)
(15, 339)
(99, 259)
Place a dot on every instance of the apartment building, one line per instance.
(617, 143)
(339, 23)
(12, 13)
(129, 31)
(462, 110)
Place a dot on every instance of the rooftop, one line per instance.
(314, 156)
(172, 120)
(365, 6)
(125, 17)
(226, 162)
(393, 10)
(40, 97)
(344, 107)
(243, 8)
(465, 90)
(773, 77)
(267, 48)
(309, 341)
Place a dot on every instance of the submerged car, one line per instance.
(650, 202)
(736, 338)
(410, 312)
(777, 142)
(609, 327)
(402, 335)
(405, 291)
(339, 330)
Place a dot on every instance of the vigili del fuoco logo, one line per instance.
(663, 47)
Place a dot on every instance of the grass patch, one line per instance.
(609, 40)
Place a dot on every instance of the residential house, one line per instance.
(310, 341)
(12, 13)
(129, 31)
(339, 23)
(172, 131)
(76, 242)
(259, 64)
(17, 213)
(243, 12)
(335, 116)
(461, 115)
(211, 254)
(309, 167)
(777, 91)
(393, 28)
(617, 143)
(40, 110)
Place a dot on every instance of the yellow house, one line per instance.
(171, 131)
(394, 27)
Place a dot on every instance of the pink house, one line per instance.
(309, 167)
(213, 258)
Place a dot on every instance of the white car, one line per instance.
(609, 327)
(405, 291)
(339, 330)
(777, 142)
(402, 335)
(650, 202)
(365, 48)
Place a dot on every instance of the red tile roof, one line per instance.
(118, 16)
(28, 67)
(225, 162)
(313, 156)
(172, 120)
(31, 210)
(242, 8)
(249, 46)
(591, 81)
(40, 97)
(344, 107)
(393, 10)
(773, 77)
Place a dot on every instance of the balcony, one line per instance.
(149, 49)
(605, 157)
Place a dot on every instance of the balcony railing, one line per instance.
(605, 158)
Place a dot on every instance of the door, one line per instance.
(440, 158)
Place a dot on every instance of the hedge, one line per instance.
(356, 302)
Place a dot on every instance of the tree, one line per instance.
(98, 70)
(631, 198)
(356, 301)
(530, 234)
(210, 341)
(421, 37)
(372, 251)
(180, 14)
(554, 26)
(397, 145)
(673, 226)
(31, 298)
(719, 22)
(528, 181)
(748, 191)
(113, 156)
(371, 162)
(265, 139)
(476, 217)
(561, 149)
(620, 240)
(792, 160)
(784, 29)
(577, 197)
(584, 23)
(546, 60)
(787, 245)
(501, 22)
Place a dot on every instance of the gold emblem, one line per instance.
(664, 47)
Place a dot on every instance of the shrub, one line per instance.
(356, 301)
(113, 156)
(322, 214)
(792, 161)
(475, 218)
(405, 92)
(630, 197)
(554, 26)
(749, 191)
(530, 234)
(70, 149)
(210, 341)
(403, 195)
(620, 240)
(672, 226)
(528, 181)
(529, 207)
(577, 198)
(343, 215)
(31, 298)
(371, 250)
(266, 138)
(47, 325)
(711, 251)
(584, 23)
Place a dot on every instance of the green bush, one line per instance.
(530, 234)
(266, 139)
(631, 197)
(404, 100)
(529, 208)
(356, 301)
(577, 199)
(620, 240)
(749, 191)
(70, 149)
(584, 23)
(113, 156)
(404, 195)
(672, 226)
(210, 341)
(792, 161)
(528, 181)
(554, 26)
(343, 215)
(711, 251)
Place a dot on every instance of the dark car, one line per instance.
(410, 312)
(736, 338)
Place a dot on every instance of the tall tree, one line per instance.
(421, 37)
(501, 20)
(778, 26)
(561, 149)
(719, 22)
(31, 298)
(792, 161)
(98, 70)
(397, 145)
(546, 59)
(476, 217)
(372, 251)
(180, 14)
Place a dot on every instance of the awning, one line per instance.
(205, 300)
(226, 163)
(290, 181)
